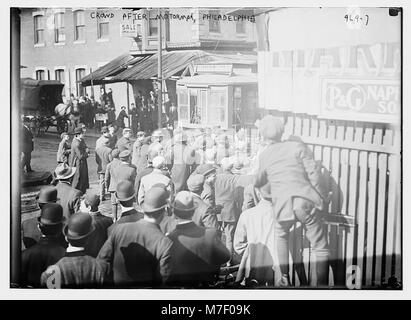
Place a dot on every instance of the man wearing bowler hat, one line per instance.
(69, 196)
(77, 269)
(297, 195)
(125, 195)
(30, 230)
(139, 252)
(204, 214)
(197, 253)
(49, 248)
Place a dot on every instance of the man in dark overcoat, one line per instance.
(197, 253)
(77, 269)
(48, 250)
(139, 252)
(70, 197)
(78, 160)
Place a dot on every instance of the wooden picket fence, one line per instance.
(361, 165)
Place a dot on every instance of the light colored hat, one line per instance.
(63, 171)
(158, 162)
(271, 127)
(183, 205)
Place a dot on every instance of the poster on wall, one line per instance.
(361, 99)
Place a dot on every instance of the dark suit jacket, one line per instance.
(197, 254)
(204, 215)
(37, 258)
(69, 198)
(111, 182)
(79, 270)
(139, 254)
(31, 233)
(129, 216)
(225, 187)
(125, 171)
(99, 236)
(103, 158)
(292, 172)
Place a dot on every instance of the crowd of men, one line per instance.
(183, 205)
(142, 115)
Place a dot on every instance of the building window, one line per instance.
(240, 27)
(217, 106)
(38, 29)
(40, 75)
(214, 25)
(152, 23)
(183, 112)
(79, 25)
(80, 73)
(102, 30)
(59, 34)
(60, 76)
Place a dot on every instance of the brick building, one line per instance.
(69, 43)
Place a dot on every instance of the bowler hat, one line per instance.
(63, 171)
(78, 130)
(104, 129)
(124, 155)
(125, 191)
(47, 194)
(51, 214)
(79, 226)
(155, 199)
(195, 182)
(183, 204)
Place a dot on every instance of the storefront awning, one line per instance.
(129, 68)
(105, 73)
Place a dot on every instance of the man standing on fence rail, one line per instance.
(296, 195)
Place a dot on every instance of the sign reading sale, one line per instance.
(128, 30)
(361, 99)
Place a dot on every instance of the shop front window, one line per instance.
(183, 114)
(217, 106)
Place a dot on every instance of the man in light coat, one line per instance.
(254, 241)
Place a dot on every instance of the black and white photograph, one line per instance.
(198, 147)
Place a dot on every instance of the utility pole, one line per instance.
(160, 67)
(15, 173)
